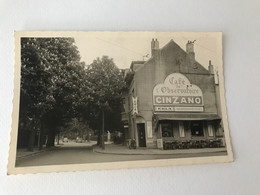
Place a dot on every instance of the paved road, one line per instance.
(82, 153)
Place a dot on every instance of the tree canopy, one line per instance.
(105, 89)
(51, 76)
(57, 88)
(105, 94)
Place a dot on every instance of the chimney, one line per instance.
(211, 68)
(154, 46)
(190, 49)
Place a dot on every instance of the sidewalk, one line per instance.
(124, 150)
(22, 153)
(74, 144)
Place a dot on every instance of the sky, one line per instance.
(125, 47)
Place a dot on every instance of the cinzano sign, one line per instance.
(177, 91)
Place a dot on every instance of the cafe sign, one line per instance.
(177, 94)
(135, 109)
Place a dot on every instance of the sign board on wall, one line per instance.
(135, 110)
(149, 129)
(177, 94)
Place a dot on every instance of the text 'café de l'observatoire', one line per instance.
(171, 97)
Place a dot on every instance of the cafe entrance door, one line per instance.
(141, 134)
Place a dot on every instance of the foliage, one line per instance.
(57, 89)
(106, 82)
(52, 81)
(36, 85)
(105, 91)
(77, 128)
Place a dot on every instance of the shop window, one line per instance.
(181, 129)
(197, 128)
(167, 130)
(210, 130)
(219, 130)
(186, 125)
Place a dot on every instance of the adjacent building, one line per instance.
(171, 98)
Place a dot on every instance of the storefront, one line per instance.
(173, 101)
(180, 114)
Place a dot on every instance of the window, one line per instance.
(181, 129)
(167, 130)
(186, 125)
(210, 130)
(197, 128)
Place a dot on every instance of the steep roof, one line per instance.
(196, 68)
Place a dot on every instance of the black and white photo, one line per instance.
(109, 100)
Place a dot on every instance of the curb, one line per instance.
(179, 153)
(36, 153)
(28, 155)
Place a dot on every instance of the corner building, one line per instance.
(172, 98)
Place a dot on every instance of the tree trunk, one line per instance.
(103, 130)
(99, 138)
(88, 137)
(58, 141)
(51, 138)
(39, 140)
(42, 133)
(31, 140)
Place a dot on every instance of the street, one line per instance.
(78, 153)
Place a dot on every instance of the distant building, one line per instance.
(171, 98)
(125, 71)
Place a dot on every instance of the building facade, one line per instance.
(172, 100)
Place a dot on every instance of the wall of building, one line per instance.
(171, 58)
(144, 83)
(174, 59)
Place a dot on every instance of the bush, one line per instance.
(118, 140)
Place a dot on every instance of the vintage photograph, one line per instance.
(109, 100)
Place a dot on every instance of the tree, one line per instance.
(52, 83)
(105, 83)
(76, 128)
(35, 97)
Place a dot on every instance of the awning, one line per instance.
(188, 116)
